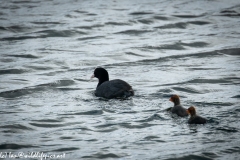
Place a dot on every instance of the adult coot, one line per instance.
(178, 108)
(195, 119)
(111, 89)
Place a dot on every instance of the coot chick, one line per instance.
(195, 119)
(111, 89)
(178, 108)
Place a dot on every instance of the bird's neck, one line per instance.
(177, 104)
(101, 80)
(176, 101)
(193, 115)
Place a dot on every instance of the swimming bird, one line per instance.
(111, 89)
(178, 108)
(195, 119)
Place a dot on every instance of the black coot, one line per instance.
(111, 89)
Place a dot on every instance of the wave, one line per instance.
(58, 83)
(177, 46)
(15, 146)
(129, 125)
(22, 56)
(237, 96)
(80, 11)
(191, 157)
(189, 16)
(48, 120)
(140, 13)
(18, 38)
(90, 27)
(47, 34)
(152, 118)
(29, 90)
(15, 128)
(66, 149)
(24, 2)
(102, 156)
(181, 25)
(139, 126)
(201, 80)
(161, 18)
(227, 129)
(232, 51)
(134, 32)
(134, 54)
(93, 112)
(47, 23)
(199, 22)
(15, 28)
(89, 38)
(145, 21)
(117, 23)
(195, 44)
(12, 71)
(48, 125)
(229, 13)
(59, 33)
(188, 90)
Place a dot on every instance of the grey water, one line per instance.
(50, 48)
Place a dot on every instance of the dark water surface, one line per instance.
(49, 49)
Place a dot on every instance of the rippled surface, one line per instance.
(49, 50)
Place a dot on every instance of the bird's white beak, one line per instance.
(92, 76)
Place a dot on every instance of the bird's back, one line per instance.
(197, 120)
(114, 89)
(179, 110)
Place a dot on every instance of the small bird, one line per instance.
(178, 108)
(195, 119)
(111, 89)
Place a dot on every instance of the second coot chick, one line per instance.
(111, 89)
(178, 108)
(195, 119)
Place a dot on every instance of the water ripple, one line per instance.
(190, 157)
(15, 146)
(12, 71)
(152, 118)
(47, 34)
(179, 25)
(141, 13)
(227, 129)
(175, 46)
(92, 112)
(134, 32)
(15, 128)
(23, 56)
(102, 156)
(66, 149)
(89, 38)
(188, 90)
(37, 88)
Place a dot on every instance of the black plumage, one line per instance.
(111, 89)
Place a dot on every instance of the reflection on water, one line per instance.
(49, 50)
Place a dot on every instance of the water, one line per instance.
(49, 50)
